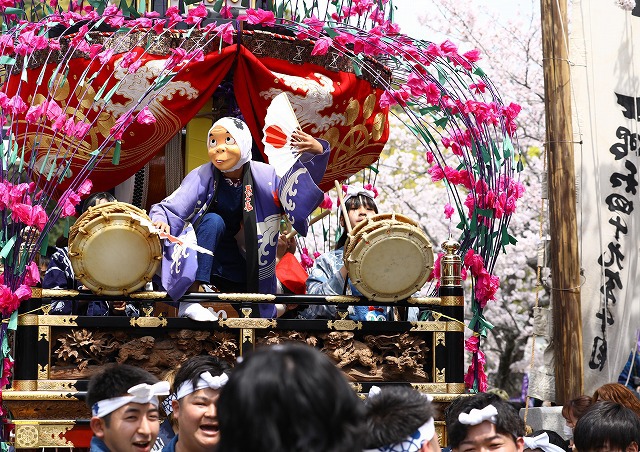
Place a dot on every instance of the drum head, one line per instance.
(111, 253)
(390, 261)
(374, 222)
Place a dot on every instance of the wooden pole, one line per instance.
(565, 262)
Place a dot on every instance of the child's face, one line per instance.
(359, 214)
(484, 438)
(224, 152)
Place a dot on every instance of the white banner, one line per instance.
(605, 54)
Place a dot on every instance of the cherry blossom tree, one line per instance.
(512, 56)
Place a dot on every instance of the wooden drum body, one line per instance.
(110, 252)
(388, 257)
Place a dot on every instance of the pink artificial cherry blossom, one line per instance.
(37, 112)
(448, 210)
(472, 55)
(145, 116)
(32, 274)
(321, 46)
(196, 15)
(326, 203)
(474, 262)
(38, 217)
(436, 173)
(313, 28)
(225, 12)
(259, 17)
(479, 88)
(8, 300)
(305, 259)
(7, 367)
(85, 187)
(121, 125)
(226, 32)
(472, 344)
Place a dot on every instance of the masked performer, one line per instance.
(233, 207)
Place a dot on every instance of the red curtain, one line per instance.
(334, 105)
(179, 101)
(331, 102)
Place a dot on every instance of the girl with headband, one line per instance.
(329, 275)
(232, 206)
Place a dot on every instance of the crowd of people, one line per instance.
(291, 397)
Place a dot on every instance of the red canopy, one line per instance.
(332, 102)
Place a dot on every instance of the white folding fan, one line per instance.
(279, 124)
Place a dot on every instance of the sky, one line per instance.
(409, 12)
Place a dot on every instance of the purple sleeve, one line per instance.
(182, 204)
(317, 164)
(298, 189)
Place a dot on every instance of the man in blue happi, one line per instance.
(232, 206)
(124, 409)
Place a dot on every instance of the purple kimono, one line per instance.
(298, 196)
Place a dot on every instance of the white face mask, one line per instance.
(567, 431)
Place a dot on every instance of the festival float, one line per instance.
(93, 96)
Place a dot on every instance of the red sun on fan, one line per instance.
(275, 136)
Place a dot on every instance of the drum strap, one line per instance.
(250, 229)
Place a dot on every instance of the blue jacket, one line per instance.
(171, 447)
(635, 372)
(97, 445)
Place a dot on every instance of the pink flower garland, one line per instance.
(473, 345)
(17, 199)
(305, 259)
(10, 300)
(486, 285)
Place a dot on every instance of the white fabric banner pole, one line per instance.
(606, 86)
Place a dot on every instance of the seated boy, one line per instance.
(197, 387)
(124, 409)
(484, 421)
(399, 418)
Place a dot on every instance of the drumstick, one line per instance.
(343, 207)
(172, 238)
(312, 221)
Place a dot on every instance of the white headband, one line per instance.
(239, 130)
(541, 442)
(475, 416)
(206, 380)
(413, 443)
(374, 391)
(355, 190)
(142, 393)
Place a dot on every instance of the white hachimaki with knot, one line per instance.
(142, 393)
